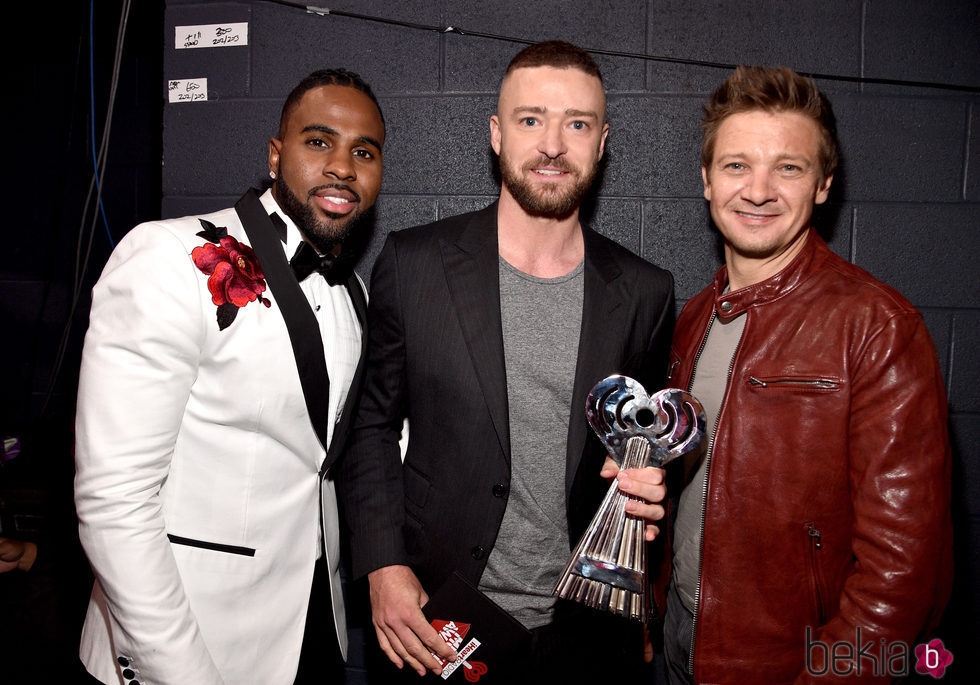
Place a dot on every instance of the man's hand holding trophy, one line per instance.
(608, 566)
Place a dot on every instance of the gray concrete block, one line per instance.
(678, 236)
(290, 44)
(477, 64)
(619, 220)
(971, 186)
(819, 37)
(901, 149)
(965, 438)
(833, 223)
(964, 391)
(217, 148)
(176, 206)
(439, 145)
(392, 213)
(923, 41)
(940, 322)
(916, 249)
(456, 205)
(654, 147)
(227, 69)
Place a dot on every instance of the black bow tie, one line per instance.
(306, 261)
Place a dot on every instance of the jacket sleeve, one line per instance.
(899, 471)
(370, 476)
(139, 360)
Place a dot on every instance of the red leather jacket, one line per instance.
(827, 505)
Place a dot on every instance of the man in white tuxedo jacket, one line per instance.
(215, 392)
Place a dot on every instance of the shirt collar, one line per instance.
(732, 303)
(293, 236)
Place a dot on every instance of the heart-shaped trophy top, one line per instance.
(671, 421)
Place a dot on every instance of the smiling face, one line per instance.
(761, 185)
(550, 132)
(327, 162)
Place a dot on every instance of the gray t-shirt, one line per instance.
(541, 320)
(710, 382)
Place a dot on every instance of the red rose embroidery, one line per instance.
(235, 274)
(235, 277)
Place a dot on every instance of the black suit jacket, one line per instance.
(435, 355)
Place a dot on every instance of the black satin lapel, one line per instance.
(472, 272)
(340, 432)
(599, 347)
(301, 323)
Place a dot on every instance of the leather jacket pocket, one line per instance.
(805, 383)
(818, 589)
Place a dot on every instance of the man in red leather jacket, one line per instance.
(812, 540)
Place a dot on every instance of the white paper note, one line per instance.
(211, 35)
(187, 89)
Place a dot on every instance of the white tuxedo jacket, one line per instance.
(201, 477)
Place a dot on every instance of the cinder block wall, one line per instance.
(904, 206)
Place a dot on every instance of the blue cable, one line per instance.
(91, 83)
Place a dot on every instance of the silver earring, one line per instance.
(272, 175)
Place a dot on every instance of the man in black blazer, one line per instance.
(487, 331)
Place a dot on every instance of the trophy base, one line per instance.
(603, 596)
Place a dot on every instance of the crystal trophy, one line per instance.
(608, 567)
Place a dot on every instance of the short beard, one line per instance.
(550, 203)
(322, 235)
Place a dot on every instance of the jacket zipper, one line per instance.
(815, 537)
(707, 476)
(815, 546)
(823, 383)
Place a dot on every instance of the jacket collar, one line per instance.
(731, 304)
(471, 264)
(472, 269)
(289, 234)
(301, 324)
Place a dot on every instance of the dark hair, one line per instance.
(555, 53)
(326, 77)
(772, 90)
